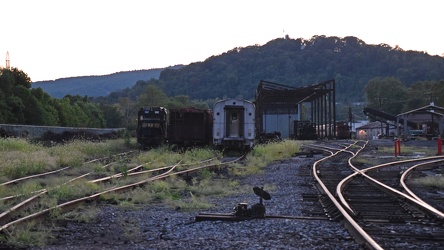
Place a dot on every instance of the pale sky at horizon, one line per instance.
(50, 39)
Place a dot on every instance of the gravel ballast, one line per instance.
(162, 227)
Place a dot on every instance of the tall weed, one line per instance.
(264, 154)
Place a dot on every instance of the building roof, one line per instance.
(370, 125)
(431, 109)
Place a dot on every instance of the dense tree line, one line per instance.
(19, 104)
(298, 62)
(145, 94)
(392, 96)
(387, 78)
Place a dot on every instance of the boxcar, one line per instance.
(151, 126)
(342, 130)
(190, 127)
(233, 124)
(304, 130)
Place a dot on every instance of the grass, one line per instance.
(430, 181)
(192, 203)
(264, 154)
(83, 214)
(69, 192)
(162, 156)
(15, 144)
(31, 234)
(209, 184)
(407, 150)
(20, 158)
(15, 163)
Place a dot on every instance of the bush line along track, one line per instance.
(66, 206)
(62, 169)
(331, 178)
(26, 178)
(8, 214)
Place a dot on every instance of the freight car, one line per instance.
(190, 127)
(304, 130)
(151, 126)
(233, 124)
(342, 130)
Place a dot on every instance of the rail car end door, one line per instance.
(234, 122)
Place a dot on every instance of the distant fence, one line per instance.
(29, 131)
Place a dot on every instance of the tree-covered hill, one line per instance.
(298, 62)
(236, 73)
(94, 86)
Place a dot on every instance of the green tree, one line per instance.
(425, 92)
(112, 116)
(77, 111)
(127, 108)
(386, 94)
(152, 97)
(46, 108)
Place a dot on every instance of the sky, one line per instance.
(51, 39)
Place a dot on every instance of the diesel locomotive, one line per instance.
(152, 126)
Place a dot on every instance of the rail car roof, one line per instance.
(189, 110)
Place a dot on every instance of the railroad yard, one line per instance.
(299, 214)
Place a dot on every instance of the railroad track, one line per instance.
(371, 201)
(134, 177)
(109, 160)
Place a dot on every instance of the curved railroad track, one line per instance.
(134, 177)
(371, 201)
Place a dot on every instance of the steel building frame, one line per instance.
(321, 96)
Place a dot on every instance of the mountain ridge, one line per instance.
(293, 62)
(97, 85)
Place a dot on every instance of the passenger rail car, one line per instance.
(190, 127)
(151, 126)
(233, 124)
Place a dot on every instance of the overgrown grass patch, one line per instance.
(275, 151)
(408, 150)
(69, 192)
(30, 234)
(162, 156)
(83, 214)
(20, 158)
(27, 188)
(430, 181)
(192, 203)
(362, 161)
(16, 144)
(76, 153)
(16, 164)
(181, 193)
(264, 154)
